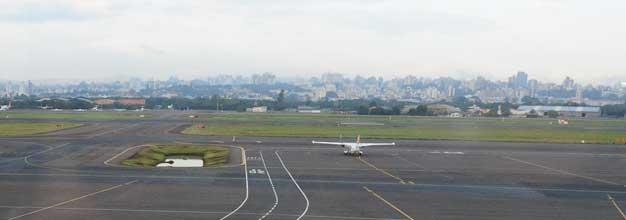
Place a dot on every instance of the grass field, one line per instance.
(29, 128)
(152, 155)
(68, 115)
(403, 127)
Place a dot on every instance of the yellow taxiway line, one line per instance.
(385, 172)
(388, 203)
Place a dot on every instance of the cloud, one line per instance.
(547, 38)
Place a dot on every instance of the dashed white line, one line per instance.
(245, 171)
(306, 209)
(273, 188)
(72, 200)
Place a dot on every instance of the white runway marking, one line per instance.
(273, 188)
(616, 206)
(49, 148)
(191, 212)
(563, 171)
(119, 154)
(41, 152)
(245, 171)
(306, 209)
(72, 200)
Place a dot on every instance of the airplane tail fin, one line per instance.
(358, 139)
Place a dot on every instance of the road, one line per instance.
(63, 175)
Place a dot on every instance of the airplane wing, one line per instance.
(376, 144)
(328, 143)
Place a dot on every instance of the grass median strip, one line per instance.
(30, 128)
(418, 131)
(152, 155)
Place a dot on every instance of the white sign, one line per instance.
(256, 171)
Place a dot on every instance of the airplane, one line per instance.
(95, 108)
(5, 108)
(354, 148)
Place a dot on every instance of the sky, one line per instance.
(548, 39)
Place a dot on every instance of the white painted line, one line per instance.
(616, 206)
(306, 209)
(563, 171)
(72, 200)
(245, 171)
(273, 188)
(119, 154)
(191, 212)
(49, 148)
(41, 152)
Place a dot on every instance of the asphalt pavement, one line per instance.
(74, 174)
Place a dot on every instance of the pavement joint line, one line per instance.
(245, 171)
(267, 172)
(74, 199)
(616, 206)
(492, 187)
(563, 171)
(422, 167)
(402, 181)
(306, 209)
(188, 212)
(111, 131)
(388, 203)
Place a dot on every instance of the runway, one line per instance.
(63, 175)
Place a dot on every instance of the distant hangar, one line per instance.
(564, 111)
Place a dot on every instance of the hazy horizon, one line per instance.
(548, 39)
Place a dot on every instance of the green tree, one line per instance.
(420, 110)
(553, 114)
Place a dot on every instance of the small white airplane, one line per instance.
(5, 108)
(353, 148)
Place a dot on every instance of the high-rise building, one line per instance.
(579, 94)
(532, 87)
(520, 80)
(568, 83)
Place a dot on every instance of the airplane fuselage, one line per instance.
(352, 149)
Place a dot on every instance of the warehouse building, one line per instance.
(564, 111)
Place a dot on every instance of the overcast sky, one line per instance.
(549, 39)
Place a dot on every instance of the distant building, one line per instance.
(123, 101)
(308, 109)
(132, 101)
(442, 109)
(258, 109)
(104, 101)
(564, 111)
(568, 83)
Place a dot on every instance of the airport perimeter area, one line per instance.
(74, 172)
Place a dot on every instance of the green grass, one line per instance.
(405, 127)
(30, 128)
(327, 119)
(152, 155)
(68, 115)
